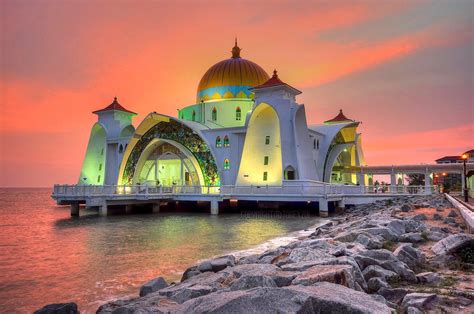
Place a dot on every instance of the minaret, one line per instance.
(107, 143)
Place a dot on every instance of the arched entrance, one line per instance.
(290, 173)
(167, 163)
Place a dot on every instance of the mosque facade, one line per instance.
(245, 129)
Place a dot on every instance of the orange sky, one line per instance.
(403, 68)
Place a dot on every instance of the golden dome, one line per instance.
(231, 78)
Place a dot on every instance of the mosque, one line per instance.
(245, 129)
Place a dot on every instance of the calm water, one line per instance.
(46, 256)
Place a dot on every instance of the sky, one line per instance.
(403, 68)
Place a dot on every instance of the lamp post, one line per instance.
(464, 159)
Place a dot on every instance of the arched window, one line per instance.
(317, 144)
(290, 173)
(214, 114)
(120, 149)
(238, 114)
(226, 164)
(218, 142)
(314, 144)
(194, 116)
(226, 141)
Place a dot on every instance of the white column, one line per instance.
(323, 208)
(103, 209)
(341, 203)
(427, 183)
(462, 182)
(393, 183)
(75, 209)
(214, 207)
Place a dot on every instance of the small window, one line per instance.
(218, 142)
(238, 114)
(194, 116)
(265, 176)
(98, 179)
(314, 144)
(214, 114)
(100, 167)
(121, 148)
(267, 140)
(102, 152)
(317, 144)
(226, 141)
(226, 164)
(265, 160)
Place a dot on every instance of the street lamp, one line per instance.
(464, 159)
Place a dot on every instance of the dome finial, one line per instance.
(236, 50)
(275, 73)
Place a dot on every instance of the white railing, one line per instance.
(306, 189)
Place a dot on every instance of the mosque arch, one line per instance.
(226, 141)
(218, 141)
(127, 131)
(157, 126)
(263, 122)
(290, 173)
(120, 148)
(95, 157)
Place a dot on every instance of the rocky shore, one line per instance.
(408, 255)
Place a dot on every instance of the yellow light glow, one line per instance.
(464, 156)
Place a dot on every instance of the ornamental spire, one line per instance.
(236, 50)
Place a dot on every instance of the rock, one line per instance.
(293, 299)
(414, 226)
(436, 236)
(411, 237)
(284, 278)
(437, 217)
(222, 262)
(420, 217)
(397, 226)
(449, 220)
(413, 310)
(374, 284)
(428, 277)
(439, 209)
(347, 236)
(204, 266)
(425, 205)
(453, 243)
(184, 293)
(249, 282)
(384, 232)
(377, 271)
(190, 272)
(411, 256)
(338, 274)
(338, 251)
(152, 286)
(307, 254)
(393, 295)
(405, 208)
(452, 213)
(159, 304)
(418, 300)
(58, 308)
(387, 260)
(369, 242)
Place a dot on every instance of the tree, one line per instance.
(416, 179)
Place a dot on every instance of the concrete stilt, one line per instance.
(341, 204)
(156, 207)
(75, 209)
(103, 209)
(128, 209)
(323, 208)
(214, 207)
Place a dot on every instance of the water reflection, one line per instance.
(49, 257)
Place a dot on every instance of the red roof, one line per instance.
(114, 106)
(275, 81)
(339, 118)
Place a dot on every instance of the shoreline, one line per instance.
(389, 255)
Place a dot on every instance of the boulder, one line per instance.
(411, 237)
(397, 227)
(413, 310)
(411, 256)
(435, 236)
(222, 262)
(150, 303)
(251, 269)
(420, 217)
(384, 232)
(453, 243)
(252, 281)
(452, 213)
(449, 220)
(406, 208)
(190, 272)
(374, 284)
(338, 274)
(58, 308)
(387, 260)
(307, 254)
(293, 299)
(369, 242)
(428, 277)
(284, 278)
(414, 225)
(420, 301)
(204, 266)
(375, 271)
(393, 295)
(152, 286)
(437, 217)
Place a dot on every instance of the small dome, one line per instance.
(231, 78)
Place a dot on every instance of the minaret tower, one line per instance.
(107, 143)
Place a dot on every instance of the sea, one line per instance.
(47, 256)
